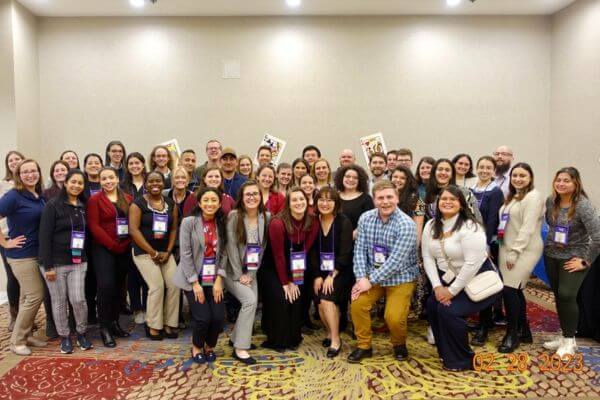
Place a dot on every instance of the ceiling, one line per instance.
(90, 8)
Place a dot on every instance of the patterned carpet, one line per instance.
(142, 369)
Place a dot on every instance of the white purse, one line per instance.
(484, 284)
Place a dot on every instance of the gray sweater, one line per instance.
(584, 232)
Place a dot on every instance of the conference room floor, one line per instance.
(142, 369)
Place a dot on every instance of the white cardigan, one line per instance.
(466, 249)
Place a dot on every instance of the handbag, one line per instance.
(486, 283)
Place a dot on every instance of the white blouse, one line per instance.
(466, 249)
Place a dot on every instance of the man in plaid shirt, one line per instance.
(385, 263)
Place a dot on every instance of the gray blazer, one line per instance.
(191, 248)
(237, 251)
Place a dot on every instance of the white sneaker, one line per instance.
(430, 337)
(568, 347)
(140, 317)
(553, 344)
(20, 350)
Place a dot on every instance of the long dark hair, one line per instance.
(577, 195)
(512, 191)
(240, 227)
(128, 181)
(63, 193)
(121, 199)
(220, 218)
(433, 188)
(408, 197)
(464, 214)
(286, 214)
(457, 157)
(427, 160)
(299, 161)
(107, 155)
(8, 174)
(363, 178)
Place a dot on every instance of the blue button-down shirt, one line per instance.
(399, 236)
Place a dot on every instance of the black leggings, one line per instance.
(516, 307)
(208, 318)
(565, 286)
(12, 285)
(111, 271)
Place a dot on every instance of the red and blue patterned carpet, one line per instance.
(142, 369)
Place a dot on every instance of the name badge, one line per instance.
(561, 234)
(93, 192)
(252, 257)
(298, 265)
(380, 254)
(122, 227)
(502, 225)
(77, 240)
(159, 225)
(209, 271)
(327, 261)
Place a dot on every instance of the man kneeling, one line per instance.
(385, 263)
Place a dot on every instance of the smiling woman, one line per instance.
(153, 223)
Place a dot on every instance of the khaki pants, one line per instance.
(32, 293)
(161, 309)
(397, 305)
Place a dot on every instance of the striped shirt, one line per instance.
(398, 236)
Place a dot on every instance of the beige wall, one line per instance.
(27, 82)
(575, 133)
(439, 85)
(8, 123)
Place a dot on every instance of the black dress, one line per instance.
(340, 234)
(354, 208)
(282, 320)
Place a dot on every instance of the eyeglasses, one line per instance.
(251, 194)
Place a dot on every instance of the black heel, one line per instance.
(331, 352)
(107, 338)
(151, 336)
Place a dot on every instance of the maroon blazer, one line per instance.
(102, 222)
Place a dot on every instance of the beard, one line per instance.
(502, 169)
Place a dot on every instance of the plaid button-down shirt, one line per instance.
(399, 236)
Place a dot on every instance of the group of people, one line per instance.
(232, 234)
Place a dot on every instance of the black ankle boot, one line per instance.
(107, 337)
(480, 336)
(510, 341)
(525, 335)
(116, 330)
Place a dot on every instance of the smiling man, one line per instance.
(385, 263)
